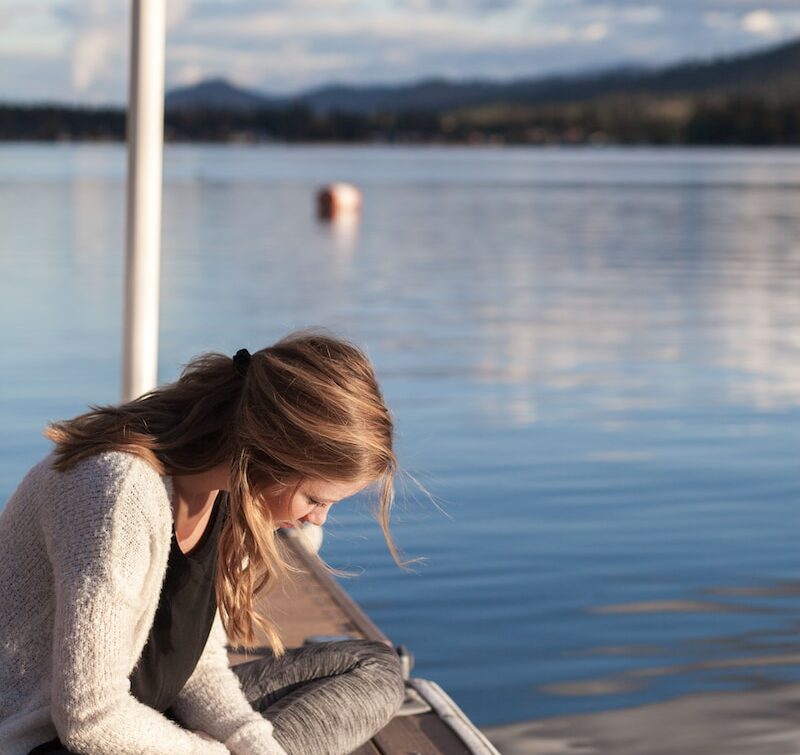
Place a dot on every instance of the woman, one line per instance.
(129, 553)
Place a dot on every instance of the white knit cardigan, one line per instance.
(83, 555)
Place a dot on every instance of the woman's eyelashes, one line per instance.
(315, 502)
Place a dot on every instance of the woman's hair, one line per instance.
(308, 407)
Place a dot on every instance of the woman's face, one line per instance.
(311, 502)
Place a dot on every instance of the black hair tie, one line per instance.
(241, 361)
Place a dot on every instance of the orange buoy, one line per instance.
(338, 199)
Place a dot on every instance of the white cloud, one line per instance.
(91, 54)
(31, 30)
(438, 31)
(324, 5)
(760, 22)
(594, 32)
(643, 14)
(177, 11)
(287, 44)
(188, 74)
(100, 47)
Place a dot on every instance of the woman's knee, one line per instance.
(385, 666)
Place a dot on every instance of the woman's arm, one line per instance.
(104, 542)
(212, 701)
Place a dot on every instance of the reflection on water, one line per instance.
(593, 358)
(750, 650)
(758, 722)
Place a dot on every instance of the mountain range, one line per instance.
(773, 73)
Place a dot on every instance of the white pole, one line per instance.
(143, 230)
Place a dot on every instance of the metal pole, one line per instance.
(143, 228)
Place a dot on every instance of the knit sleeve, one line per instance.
(101, 538)
(212, 701)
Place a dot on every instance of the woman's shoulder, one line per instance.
(112, 470)
(107, 482)
(117, 465)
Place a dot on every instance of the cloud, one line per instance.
(33, 30)
(438, 30)
(177, 11)
(464, 7)
(760, 22)
(594, 32)
(284, 45)
(642, 14)
(101, 41)
(91, 53)
(186, 75)
(281, 52)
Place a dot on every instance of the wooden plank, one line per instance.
(335, 592)
(308, 604)
(367, 749)
(302, 606)
(423, 734)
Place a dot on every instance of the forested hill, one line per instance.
(746, 100)
(771, 73)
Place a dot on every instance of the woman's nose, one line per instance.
(317, 516)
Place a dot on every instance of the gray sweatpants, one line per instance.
(325, 699)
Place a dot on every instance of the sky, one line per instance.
(77, 52)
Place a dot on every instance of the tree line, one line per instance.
(624, 120)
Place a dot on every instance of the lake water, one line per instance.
(593, 357)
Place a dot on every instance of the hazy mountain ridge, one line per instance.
(745, 100)
(774, 72)
(220, 94)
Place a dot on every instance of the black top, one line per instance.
(183, 618)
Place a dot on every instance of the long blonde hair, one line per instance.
(308, 407)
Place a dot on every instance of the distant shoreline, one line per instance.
(634, 121)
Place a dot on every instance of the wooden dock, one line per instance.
(314, 605)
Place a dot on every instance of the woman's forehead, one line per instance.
(327, 490)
